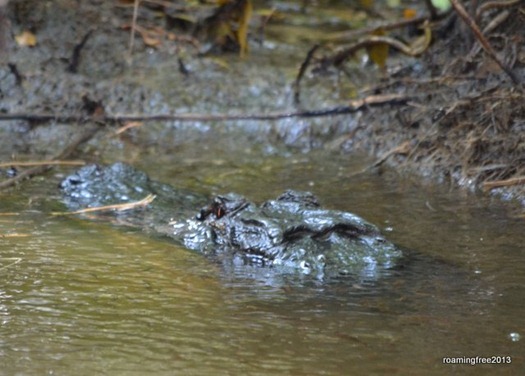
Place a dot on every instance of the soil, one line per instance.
(463, 125)
(467, 125)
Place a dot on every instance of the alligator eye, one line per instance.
(219, 212)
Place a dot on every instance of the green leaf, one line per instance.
(442, 5)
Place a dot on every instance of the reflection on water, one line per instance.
(86, 298)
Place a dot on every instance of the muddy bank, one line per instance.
(463, 126)
(466, 127)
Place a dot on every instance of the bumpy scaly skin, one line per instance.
(291, 232)
(96, 185)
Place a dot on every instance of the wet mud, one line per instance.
(463, 125)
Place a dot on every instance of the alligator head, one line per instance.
(292, 231)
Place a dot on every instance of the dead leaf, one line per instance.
(409, 13)
(26, 39)
(378, 53)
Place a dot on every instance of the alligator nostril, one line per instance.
(304, 265)
(201, 216)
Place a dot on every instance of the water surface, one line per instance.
(84, 297)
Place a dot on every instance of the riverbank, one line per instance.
(462, 125)
(466, 127)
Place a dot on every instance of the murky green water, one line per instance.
(82, 297)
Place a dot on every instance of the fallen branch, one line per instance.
(354, 106)
(489, 185)
(116, 207)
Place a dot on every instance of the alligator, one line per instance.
(290, 233)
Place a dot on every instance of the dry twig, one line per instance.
(133, 28)
(116, 207)
(493, 5)
(494, 23)
(483, 41)
(302, 70)
(373, 40)
(488, 185)
(131, 124)
(42, 163)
